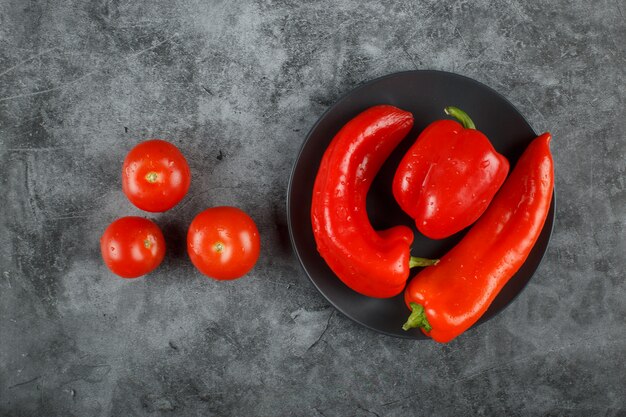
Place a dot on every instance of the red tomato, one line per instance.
(155, 175)
(223, 242)
(132, 246)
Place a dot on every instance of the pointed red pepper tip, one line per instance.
(547, 136)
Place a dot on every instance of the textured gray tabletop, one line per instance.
(236, 86)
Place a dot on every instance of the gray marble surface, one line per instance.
(236, 86)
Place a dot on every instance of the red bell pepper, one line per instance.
(449, 176)
(373, 263)
(447, 299)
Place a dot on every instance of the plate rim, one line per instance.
(306, 139)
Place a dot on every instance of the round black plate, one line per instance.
(425, 94)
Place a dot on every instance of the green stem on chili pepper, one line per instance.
(415, 261)
(417, 318)
(461, 116)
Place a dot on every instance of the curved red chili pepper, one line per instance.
(373, 263)
(447, 299)
(449, 176)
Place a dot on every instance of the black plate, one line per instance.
(425, 94)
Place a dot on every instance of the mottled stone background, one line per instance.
(236, 85)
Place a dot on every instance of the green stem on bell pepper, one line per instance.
(461, 116)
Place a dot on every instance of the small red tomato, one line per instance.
(132, 246)
(155, 175)
(223, 242)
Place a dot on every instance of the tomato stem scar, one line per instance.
(218, 246)
(152, 177)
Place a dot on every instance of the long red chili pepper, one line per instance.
(448, 177)
(373, 263)
(447, 299)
